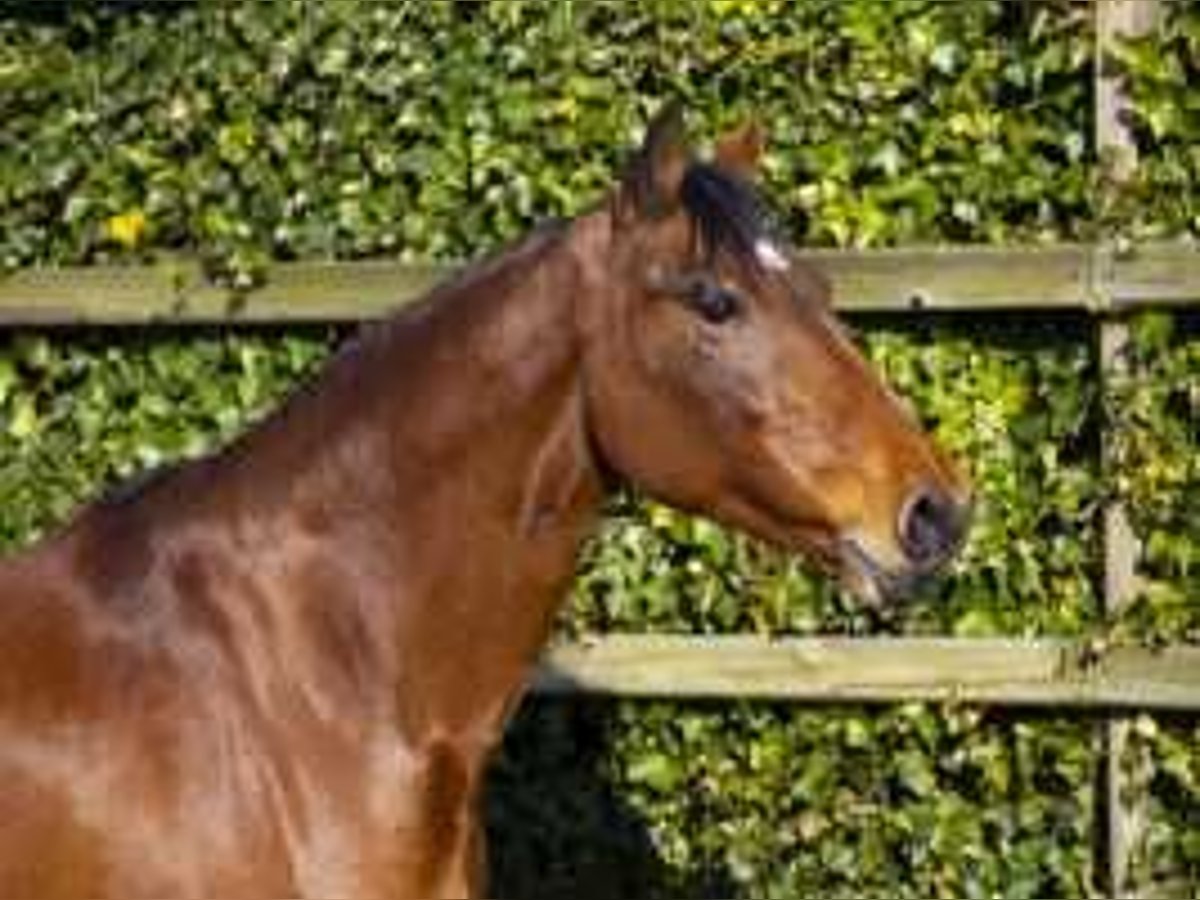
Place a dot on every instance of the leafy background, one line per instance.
(246, 132)
(1157, 417)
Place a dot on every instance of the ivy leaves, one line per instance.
(247, 132)
(1161, 71)
(81, 412)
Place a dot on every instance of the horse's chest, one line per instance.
(242, 815)
(407, 830)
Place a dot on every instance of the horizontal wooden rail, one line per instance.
(1156, 273)
(960, 278)
(1010, 672)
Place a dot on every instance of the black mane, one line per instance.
(728, 213)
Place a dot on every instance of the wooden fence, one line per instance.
(964, 279)
(1062, 673)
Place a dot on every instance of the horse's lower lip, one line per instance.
(869, 579)
(846, 557)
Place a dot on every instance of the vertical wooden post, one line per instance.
(1120, 820)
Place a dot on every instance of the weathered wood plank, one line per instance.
(1044, 672)
(936, 278)
(99, 294)
(958, 278)
(322, 292)
(178, 293)
(1165, 273)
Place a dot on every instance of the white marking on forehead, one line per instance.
(770, 256)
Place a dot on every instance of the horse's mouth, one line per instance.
(843, 555)
(846, 559)
(872, 582)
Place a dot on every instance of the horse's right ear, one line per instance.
(740, 151)
(651, 182)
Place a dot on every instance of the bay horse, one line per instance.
(278, 670)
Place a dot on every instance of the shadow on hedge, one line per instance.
(556, 825)
(65, 12)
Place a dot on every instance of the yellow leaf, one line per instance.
(127, 228)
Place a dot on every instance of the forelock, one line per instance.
(727, 212)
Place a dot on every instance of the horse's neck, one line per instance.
(498, 487)
(456, 490)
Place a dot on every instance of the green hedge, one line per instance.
(1158, 408)
(1162, 760)
(765, 801)
(1157, 412)
(243, 132)
(1161, 71)
(82, 410)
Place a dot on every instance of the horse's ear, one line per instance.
(740, 150)
(651, 183)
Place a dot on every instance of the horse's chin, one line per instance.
(871, 581)
(843, 556)
(846, 562)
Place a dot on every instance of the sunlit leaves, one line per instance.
(1161, 72)
(78, 413)
(349, 128)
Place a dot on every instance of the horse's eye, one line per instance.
(713, 301)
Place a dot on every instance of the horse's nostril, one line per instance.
(930, 527)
